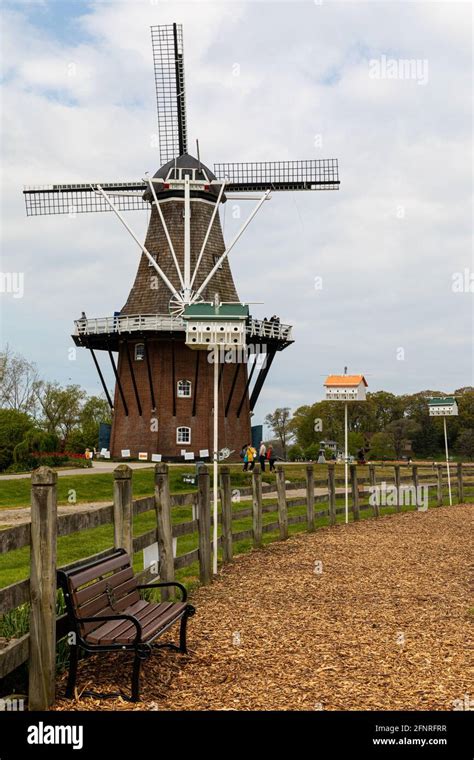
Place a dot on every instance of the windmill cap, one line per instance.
(185, 162)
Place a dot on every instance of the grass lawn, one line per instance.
(98, 487)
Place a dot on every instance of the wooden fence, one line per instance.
(38, 647)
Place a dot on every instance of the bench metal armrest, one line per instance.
(162, 584)
(107, 618)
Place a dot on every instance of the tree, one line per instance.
(355, 442)
(401, 432)
(381, 446)
(13, 427)
(94, 411)
(295, 453)
(60, 407)
(465, 443)
(279, 423)
(18, 383)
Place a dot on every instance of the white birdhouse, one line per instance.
(443, 407)
(221, 325)
(345, 388)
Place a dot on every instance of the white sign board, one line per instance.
(142, 456)
(151, 555)
(189, 455)
(107, 455)
(125, 453)
(204, 453)
(156, 457)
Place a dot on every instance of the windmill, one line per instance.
(163, 393)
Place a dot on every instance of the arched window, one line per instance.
(183, 435)
(184, 389)
(139, 352)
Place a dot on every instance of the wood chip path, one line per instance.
(375, 615)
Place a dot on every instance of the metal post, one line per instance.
(447, 462)
(345, 465)
(216, 453)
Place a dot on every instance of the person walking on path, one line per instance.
(244, 457)
(261, 455)
(251, 456)
(271, 458)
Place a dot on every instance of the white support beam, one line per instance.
(165, 228)
(244, 196)
(187, 238)
(130, 231)
(206, 237)
(228, 250)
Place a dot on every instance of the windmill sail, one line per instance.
(317, 174)
(167, 44)
(41, 200)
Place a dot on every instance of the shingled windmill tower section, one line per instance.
(170, 360)
(148, 294)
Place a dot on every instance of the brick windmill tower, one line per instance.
(163, 395)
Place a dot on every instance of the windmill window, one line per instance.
(183, 435)
(139, 352)
(216, 257)
(155, 256)
(184, 389)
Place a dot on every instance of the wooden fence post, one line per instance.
(282, 506)
(163, 526)
(204, 523)
(42, 662)
(415, 483)
(460, 484)
(439, 485)
(226, 504)
(373, 493)
(398, 494)
(332, 495)
(310, 498)
(257, 506)
(355, 492)
(123, 534)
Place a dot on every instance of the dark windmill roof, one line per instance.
(185, 161)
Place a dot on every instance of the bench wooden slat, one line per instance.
(175, 612)
(81, 577)
(153, 618)
(144, 616)
(125, 595)
(102, 630)
(83, 595)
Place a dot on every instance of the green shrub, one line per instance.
(295, 453)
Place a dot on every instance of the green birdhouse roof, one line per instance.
(207, 311)
(442, 401)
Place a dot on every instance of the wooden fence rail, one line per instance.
(39, 645)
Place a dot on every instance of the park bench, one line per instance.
(107, 614)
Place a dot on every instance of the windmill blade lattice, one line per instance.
(167, 45)
(41, 200)
(314, 174)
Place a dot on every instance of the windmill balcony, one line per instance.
(265, 329)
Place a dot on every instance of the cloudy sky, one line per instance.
(375, 276)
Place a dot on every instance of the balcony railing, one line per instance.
(256, 328)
